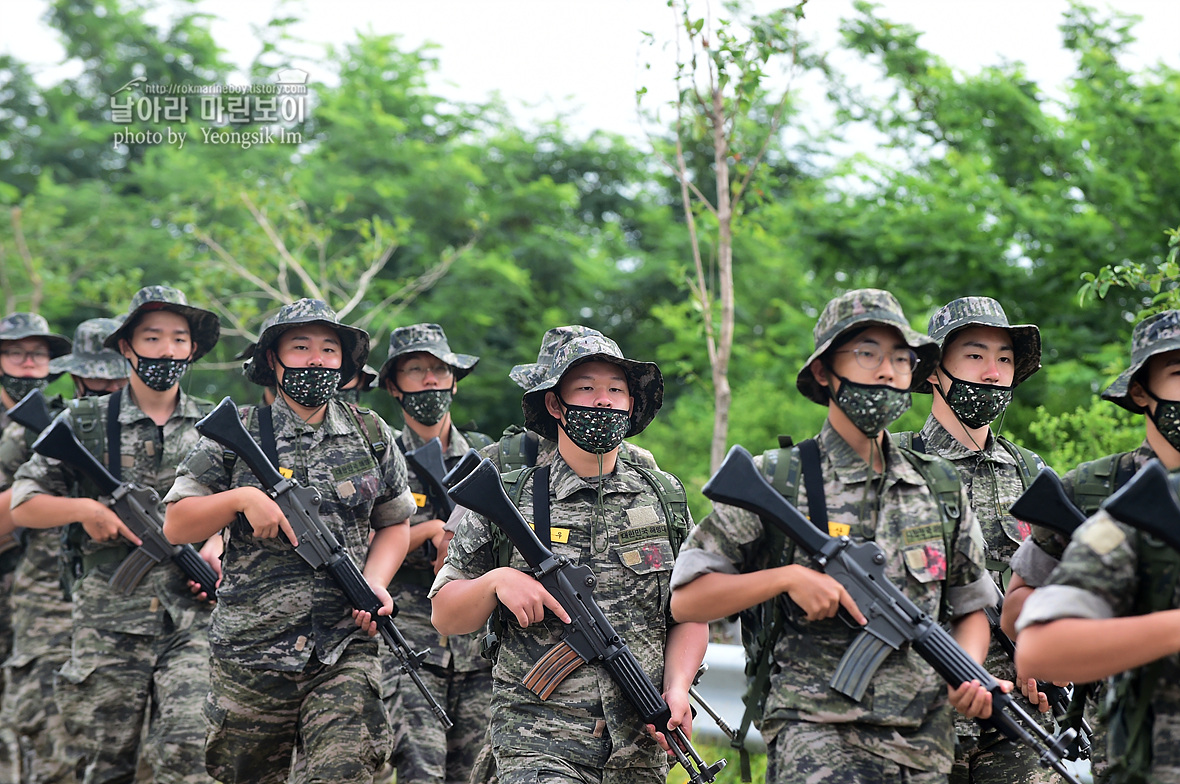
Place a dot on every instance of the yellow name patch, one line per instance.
(559, 535)
(838, 529)
(420, 499)
(287, 473)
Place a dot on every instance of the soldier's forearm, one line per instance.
(51, 511)
(386, 553)
(6, 524)
(683, 653)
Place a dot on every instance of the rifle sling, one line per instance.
(114, 436)
(266, 435)
(541, 504)
(813, 480)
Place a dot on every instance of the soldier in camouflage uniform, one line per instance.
(526, 447)
(866, 361)
(147, 648)
(423, 374)
(1142, 388)
(42, 616)
(983, 359)
(604, 515)
(289, 666)
(27, 348)
(1107, 607)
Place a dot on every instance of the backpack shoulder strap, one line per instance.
(477, 440)
(518, 449)
(370, 426)
(1095, 480)
(1028, 462)
(87, 420)
(673, 499)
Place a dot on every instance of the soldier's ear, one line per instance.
(820, 372)
(1139, 395)
(552, 406)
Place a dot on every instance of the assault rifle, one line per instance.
(429, 467)
(137, 506)
(317, 544)
(893, 619)
(31, 413)
(1045, 503)
(589, 637)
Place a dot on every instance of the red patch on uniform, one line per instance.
(652, 557)
(935, 562)
(1024, 529)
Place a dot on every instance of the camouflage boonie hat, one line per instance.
(431, 339)
(529, 375)
(368, 379)
(644, 382)
(1153, 335)
(353, 341)
(203, 324)
(89, 359)
(985, 312)
(863, 308)
(17, 326)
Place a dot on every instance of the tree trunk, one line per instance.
(721, 391)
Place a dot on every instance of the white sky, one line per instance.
(584, 58)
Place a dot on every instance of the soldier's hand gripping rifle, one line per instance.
(318, 546)
(589, 637)
(893, 619)
(31, 413)
(428, 465)
(137, 506)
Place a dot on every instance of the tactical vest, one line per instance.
(668, 490)
(763, 624)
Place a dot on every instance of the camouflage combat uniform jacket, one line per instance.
(273, 610)
(410, 585)
(1102, 575)
(1040, 553)
(992, 480)
(149, 455)
(41, 615)
(904, 716)
(586, 720)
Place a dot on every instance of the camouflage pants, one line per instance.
(534, 769)
(9, 751)
(113, 680)
(49, 754)
(256, 717)
(992, 759)
(805, 752)
(423, 753)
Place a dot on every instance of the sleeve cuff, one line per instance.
(1054, 602)
(445, 575)
(186, 487)
(966, 599)
(395, 511)
(23, 490)
(692, 563)
(1033, 564)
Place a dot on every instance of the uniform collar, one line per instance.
(563, 482)
(939, 441)
(458, 446)
(338, 420)
(850, 468)
(130, 412)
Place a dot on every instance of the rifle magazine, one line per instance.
(551, 669)
(132, 570)
(859, 664)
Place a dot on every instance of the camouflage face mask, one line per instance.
(871, 407)
(428, 406)
(1166, 418)
(976, 405)
(310, 387)
(17, 388)
(160, 374)
(595, 430)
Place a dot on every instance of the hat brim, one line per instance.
(1026, 348)
(59, 345)
(91, 366)
(923, 345)
(354, 341)
(645, 384)
(204, 326)
(460, 364)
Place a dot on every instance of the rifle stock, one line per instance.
(589, 637)
(1045, 503)
(318, 546)
(1149, 503)
(893, 619)
(32, 412)
(428, 465)
(137, 506)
